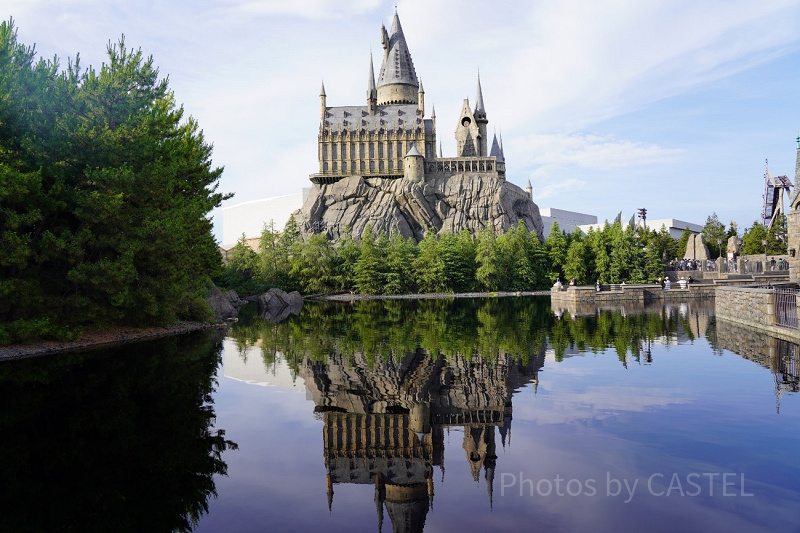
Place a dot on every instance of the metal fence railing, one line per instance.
(786, 307)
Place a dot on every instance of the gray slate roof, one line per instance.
(397, 66)
(389, 117)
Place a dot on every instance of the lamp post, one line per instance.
(764, 244)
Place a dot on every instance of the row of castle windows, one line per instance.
(362, 165)
(336, 149)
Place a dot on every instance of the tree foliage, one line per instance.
(105, 190)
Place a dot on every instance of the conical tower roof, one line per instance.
(397, 66)
(497, 150)
(372, 91)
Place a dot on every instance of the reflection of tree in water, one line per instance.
(113, 440)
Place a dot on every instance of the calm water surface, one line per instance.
(465, 415)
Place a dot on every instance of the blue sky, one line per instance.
(605, 106)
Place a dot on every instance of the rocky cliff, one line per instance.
(448, 205)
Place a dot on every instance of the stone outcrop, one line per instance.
(224, 305)
(445, 204)
(276, 305)
(696, 248)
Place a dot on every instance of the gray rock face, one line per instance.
(224, 305)
(696, 248)
(276, 305)
(447, 205)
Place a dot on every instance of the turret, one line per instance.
(322, 102)
(397, 82)
(414, 165)
(529, 188)
(421, 99)
(481, 120)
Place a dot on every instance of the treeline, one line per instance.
(447, 263)
(105, 188)
(389, 264)
(486, 328)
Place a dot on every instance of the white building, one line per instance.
(249, 218)
(567, 220)
(674, 226)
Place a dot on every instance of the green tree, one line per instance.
(624, 255)
(777, 236)
(458, 257)
(369, 270)
(429, 266)
(347, 251)
(557, 246)
(714, 235)
(312, 265)
(111, 186)
(400, 264)
(682, 242)
(577, 263)
(752, 240)
(488, 260)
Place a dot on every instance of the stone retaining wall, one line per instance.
(751, 308)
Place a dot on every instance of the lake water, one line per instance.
(449, 415)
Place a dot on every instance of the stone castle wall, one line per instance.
(751, 308)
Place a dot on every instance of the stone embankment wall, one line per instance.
(757, 346)
(751, 308)
(632, 292)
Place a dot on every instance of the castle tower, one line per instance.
(793, 223)
(481, 120)
(397, 82)
(414, 165)
(467, 132)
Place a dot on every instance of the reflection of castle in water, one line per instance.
(777, 355)
(384, 422)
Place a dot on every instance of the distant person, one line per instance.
(666, 284)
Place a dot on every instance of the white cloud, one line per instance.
(552, 71)
(317, 9)
(586, 151)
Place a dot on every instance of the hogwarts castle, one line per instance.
(390, 137)
(384, 422)
(378, 164)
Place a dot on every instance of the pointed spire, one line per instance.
(322, 91)
(329, 490)
(421, 90)
(380, 495)
(440, 150)
(372, 91)
(497, 150)
(397, 68)
(433, 112)
(480, 111)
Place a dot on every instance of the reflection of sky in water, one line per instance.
(588, 420)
